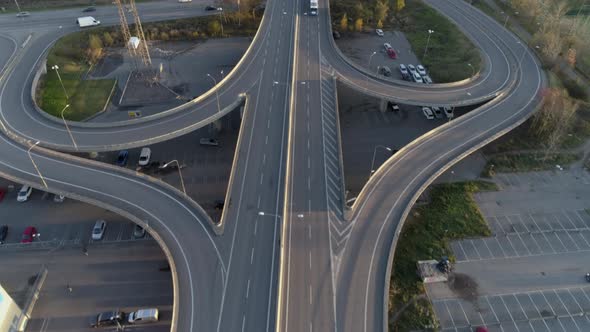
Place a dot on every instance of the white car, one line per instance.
(449, 112)
(379, 32)
(427, 79)
(24, 193)
(144, 156)
(387, 46)
(98, 230)
(427, 113)
(412, 69)
(417, 77)
(421, 70)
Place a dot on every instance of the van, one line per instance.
(142, 316)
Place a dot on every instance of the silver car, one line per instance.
(417, 77)
(209, 141)
(98, 230)
(421, 70)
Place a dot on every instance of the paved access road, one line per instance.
(336, 278)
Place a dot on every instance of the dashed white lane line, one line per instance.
(258, 204)
(261, 177)
(310, 260)
(248, 289)
(310, 295)
(309, 231)
(264, 159)
(243, 322)
(309, 184)
(266, 140)
(268, 124)
(252, 256)
(255, 226)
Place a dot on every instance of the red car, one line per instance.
(29, 234)
(2, 193)
(391, 53)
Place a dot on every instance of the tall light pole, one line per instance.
(367, 77)
(472, 69)
(375, 153)
(427, 42)
(17, 6)
(56, 67)
(35, 165)
(216, 92)
(506, 20)
(522, 56)
(179, 173)
(262, 214)
(67, 127)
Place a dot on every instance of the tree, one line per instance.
(381, 10)
(214, 28)
(379, 24)
(344, 22)
(94, 51)
(358, 25)
(108, 39)
(399, 5)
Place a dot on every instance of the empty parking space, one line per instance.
(529, 234)
(547, 310)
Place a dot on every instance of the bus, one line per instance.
(313, 6)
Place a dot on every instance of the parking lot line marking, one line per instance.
(509, 313)
(463, 250)
(522, 222)
(477, 251)
(524, 244)
(492, 309)
(567, 310)
(557, 236)
(464, 314)
(580, 216)
(550, 245)
(489, 250)
(510, 243)
(558, 221)
(538, 311)
(552, 309)
(584, 238)
(573, 241)
(500, 246)
(577, 303)
(449, 312)
(569, 219)
(534, 221)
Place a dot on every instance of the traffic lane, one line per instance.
(143, 202)
(8, 47)
(118, 276)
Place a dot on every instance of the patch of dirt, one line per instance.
(463, 286)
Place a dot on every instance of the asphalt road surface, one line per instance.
(228, 282)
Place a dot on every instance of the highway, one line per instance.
(286, 167)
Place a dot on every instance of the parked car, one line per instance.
(335, 34)
(437, 112)
(427, 113)
(391, 53)
(24, 193)
(379, 32)
(29, 234)
(2, 194)
(3, 233)
(98, 230)
(209, 141)
(58, 198)
(404, 71)
(144, 156)
(138, 232)
(394, 107)
(143, 316)
(386, 46)
(427, 79)
(210, 8)
(421, 70)
(412, 69)
(23, 14)
(122, 158)
(448, 112)
(384, 70)
(108, 318)
(416, 77)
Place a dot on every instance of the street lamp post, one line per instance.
(17, 6)
(367, 77)
(522, 56)
(179, 173)
(472, 69)
(262, 214)
(56, 67)
(216, 92)
(67, 127)
(506, 20)
(427, 42)
(35, 165)
(374, 154)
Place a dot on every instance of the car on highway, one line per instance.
(138, 232)
(98, 229)
(211, 8)
(89, 9)
(417, 78)
(143, 316)
(412, 69)
(209, 141)
(384, 70)
(29, 234)
(404, 71)
(379, 32)
(3, 233)
(122, 158)
(421, 70)
(144, 156)
(437, 112)
(427, 113)
(108, 318)
(24, 193)
(448, 112)
(23, 14)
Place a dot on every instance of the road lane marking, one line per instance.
(255, 226)
(243, 322)
(309, 231)
(261, 177)
(252, 256)
(248, 289)
(310, 295)
(310, 260)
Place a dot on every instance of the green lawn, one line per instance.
(525, 162)
(449, 50)
(451, 214)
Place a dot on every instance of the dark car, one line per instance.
(89, 9)
(210, 8)
(3, 233)
(108, 318)
(122, 158)
(138, 232)
(29, 234)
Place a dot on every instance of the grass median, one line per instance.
(528, 162)
(449, 50)
(451, 214)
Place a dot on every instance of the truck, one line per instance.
(313, 7)
(87, 21)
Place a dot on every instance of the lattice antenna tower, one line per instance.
(124, 27)
(142, 48)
